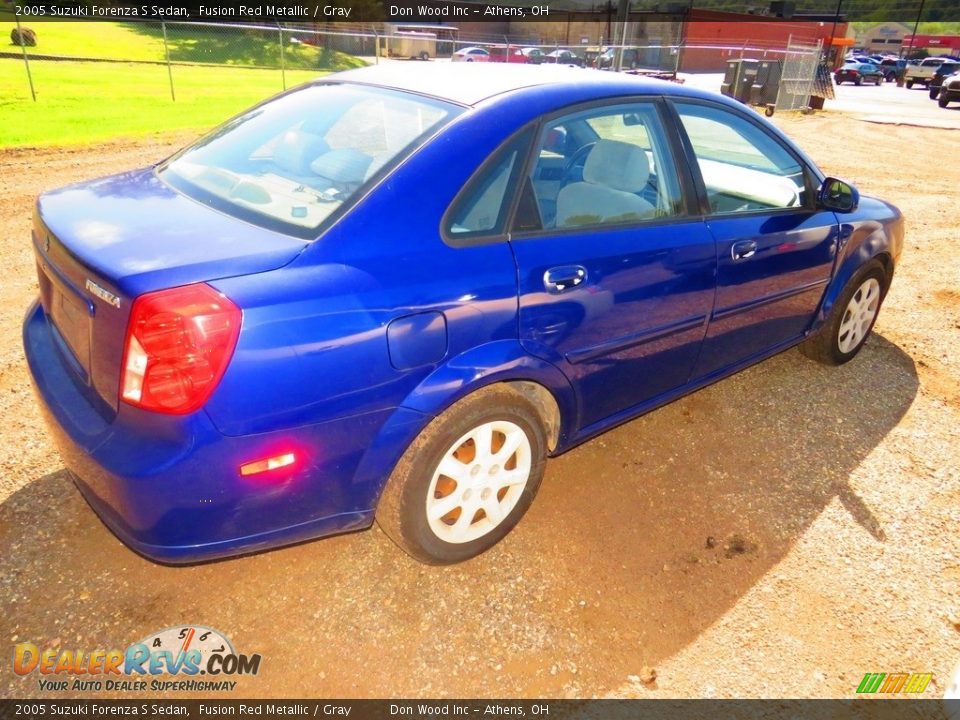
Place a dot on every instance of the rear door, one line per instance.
(775, 248)
(616, 275)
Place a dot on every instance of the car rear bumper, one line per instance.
(170, 486)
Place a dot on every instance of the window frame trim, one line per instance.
(511, 193)
(688, 195)
(809, 172)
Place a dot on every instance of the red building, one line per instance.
(933, 44)
(711, 38)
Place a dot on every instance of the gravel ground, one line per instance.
(777, 534)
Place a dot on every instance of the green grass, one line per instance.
(143, 42)
(82, 102)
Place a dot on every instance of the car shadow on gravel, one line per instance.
(638, 542)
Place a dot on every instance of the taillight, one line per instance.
(178, 344)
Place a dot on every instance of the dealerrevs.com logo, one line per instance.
(183, 652)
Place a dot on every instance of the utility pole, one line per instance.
(914, 36)
(623, 16)
(833, 33)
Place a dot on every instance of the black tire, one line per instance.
(857, 81)
(824, 346)
(402, 511)
(909, 84)
(933, 92)
(424, 55)
(942, 101)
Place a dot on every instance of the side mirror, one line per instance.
(837, 195)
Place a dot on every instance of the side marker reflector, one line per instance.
(261, 466)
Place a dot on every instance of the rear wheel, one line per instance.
(909, 84)
(934, 91)
(424, 55)
(857, 81)
(466, 481)
(942, 102)
(850, 320)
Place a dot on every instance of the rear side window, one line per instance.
(293, 162)
(482, 207)
(607, 165)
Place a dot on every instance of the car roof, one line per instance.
(471, 84)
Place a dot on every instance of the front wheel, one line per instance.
(851, 318)
(934, 91)
(909, 84)
(466, 481)
(942, 101)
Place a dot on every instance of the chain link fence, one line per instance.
(798, 75)
(287, 54)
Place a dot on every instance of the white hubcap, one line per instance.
(859, 315)
(478, 481)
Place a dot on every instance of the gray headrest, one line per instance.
(617, 165)
(296, 150)
(343, 166)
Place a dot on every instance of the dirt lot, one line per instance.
(833, 496)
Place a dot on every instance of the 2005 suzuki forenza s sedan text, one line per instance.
(390, 294)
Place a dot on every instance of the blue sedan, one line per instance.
(389, 295)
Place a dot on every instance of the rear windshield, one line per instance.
(293, 162)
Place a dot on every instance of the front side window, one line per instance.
(744, 167)
(291, 163)
(605, 166)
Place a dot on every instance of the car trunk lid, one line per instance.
(101, 244)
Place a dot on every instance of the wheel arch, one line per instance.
(502, 362)
(874, 247)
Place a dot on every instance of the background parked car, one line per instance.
(859, 73)
(949, 91)
(945, 70)
(471, 54)
(922, 73)
(630, 61)
(508, 54)
(891, 68)
(563, 57)
(534, 55)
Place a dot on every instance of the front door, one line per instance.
(775, 249)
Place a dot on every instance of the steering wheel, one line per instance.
(579, 158)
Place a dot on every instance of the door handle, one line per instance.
(558, 279)
(743, 249)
